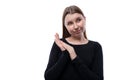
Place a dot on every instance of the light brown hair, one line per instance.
(70, 10)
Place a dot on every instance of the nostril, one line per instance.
(76, 27)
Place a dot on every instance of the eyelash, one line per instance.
(77, 20)
(69, 23)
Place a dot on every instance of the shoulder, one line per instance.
(63, 39)
(97, 45)
(55, 45)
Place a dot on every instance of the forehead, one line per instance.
(70, 17)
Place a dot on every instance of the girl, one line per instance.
(74, 57)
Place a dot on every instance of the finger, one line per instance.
(57, 36)
(57, 40)
(59, 45)
(63, 43)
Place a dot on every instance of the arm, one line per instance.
(57, 62)
(95, 72)
(63, 46)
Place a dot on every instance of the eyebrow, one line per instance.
(75, 19)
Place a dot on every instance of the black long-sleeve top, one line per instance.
(88, 65)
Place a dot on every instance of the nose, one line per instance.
(76, 26)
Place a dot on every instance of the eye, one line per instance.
(78, 19)
(69, 23)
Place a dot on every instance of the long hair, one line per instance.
(70, 10)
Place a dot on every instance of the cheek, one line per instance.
(82, 24)
(83, 28)
(69, 29)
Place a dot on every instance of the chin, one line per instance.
(78, 35)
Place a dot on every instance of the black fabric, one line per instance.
(88, 65)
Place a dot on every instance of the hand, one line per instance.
(58, 42)
(63, 46)
(70, 49)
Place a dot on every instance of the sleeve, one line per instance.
(95, 71)
(57, 63)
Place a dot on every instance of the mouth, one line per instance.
(77, 32)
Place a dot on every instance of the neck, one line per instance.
(77, 40)
(80, 38)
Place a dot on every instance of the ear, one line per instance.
(84, 20)
(84, 17)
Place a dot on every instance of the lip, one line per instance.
(77, 32)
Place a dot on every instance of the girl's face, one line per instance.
(75, 24)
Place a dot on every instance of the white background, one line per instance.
(27, 29)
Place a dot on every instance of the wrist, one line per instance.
(73, 54)
(71, 50)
